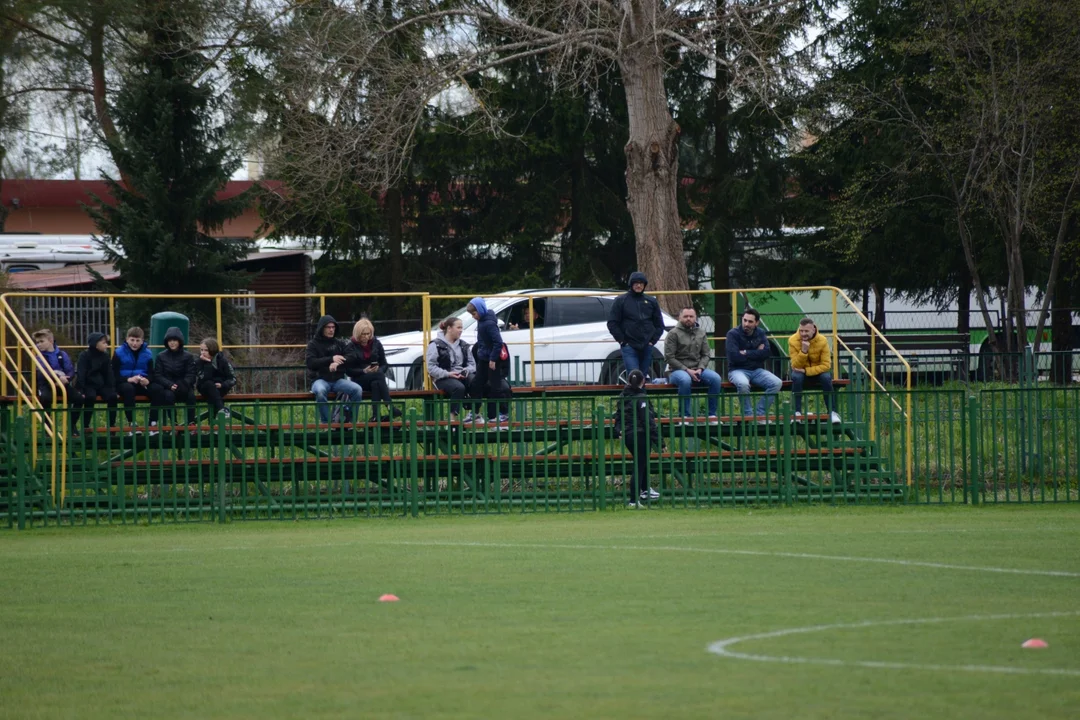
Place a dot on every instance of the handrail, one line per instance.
(52, 428)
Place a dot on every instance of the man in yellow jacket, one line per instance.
(811, 360)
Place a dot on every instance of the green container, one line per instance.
(160, 324)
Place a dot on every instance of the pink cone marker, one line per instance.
(394, 598)
(1035, 643)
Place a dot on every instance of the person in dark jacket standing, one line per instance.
(635, 422)
(133, 366)
(214, 376)
(636, 323)
(491, 368)
(94, 377)
(174, 377)
(325, 360)
(367, 367)
(747, 350)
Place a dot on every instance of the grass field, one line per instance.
(597, 615)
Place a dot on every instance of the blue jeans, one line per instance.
(761, 378)
(682, 380)
(633, 359)
(343, 388)
(799, 379)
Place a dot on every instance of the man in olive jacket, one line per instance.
(687, 353)
(811, 360)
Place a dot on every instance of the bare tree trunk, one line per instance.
(976, 280)
(99, 85)
(721, 231)
(652, 176)
(1064, 227)
(1061, 330)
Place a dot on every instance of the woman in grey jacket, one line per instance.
(450, 363)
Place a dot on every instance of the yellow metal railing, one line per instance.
(19, 364)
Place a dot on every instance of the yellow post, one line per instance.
(3, 350)
(873, 386)
(734, 310)
(835, 336)
(112, 320)
(217, 312)
(425, 319)
(532, 346)
(322, 305)
(910, 439)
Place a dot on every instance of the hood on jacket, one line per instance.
(93, 340)
(323, 322)
(173, 333)
(637, 276)
(480, 305)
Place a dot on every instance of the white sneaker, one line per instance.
(153, 429)
(634, 506)
(650, 494)
(762, 422)
(504, 419)
(479, 420)
(798, 416)
(224, 413)
(713, 420)
(835, 418)
(686, 420)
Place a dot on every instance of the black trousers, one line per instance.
(213, 395)
(638, 445)
(490, 384)
(127, 392)
(163, 397)
(90, 395)
(74, 398)
(373, 384)
(455, 389)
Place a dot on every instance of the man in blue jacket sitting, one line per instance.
(747, 350)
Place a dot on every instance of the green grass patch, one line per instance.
(597, 615)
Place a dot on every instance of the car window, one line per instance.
(576, 311)
(514, 316)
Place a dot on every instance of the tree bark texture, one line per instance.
(397, 261)
(652, 176)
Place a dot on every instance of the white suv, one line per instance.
(572, 342)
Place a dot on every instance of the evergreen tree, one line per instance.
(172, 149)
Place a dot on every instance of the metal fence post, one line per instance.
(412, 448)
(786, 463)
(220, 441)
(600, 457)
(21, 470)
(974, 465)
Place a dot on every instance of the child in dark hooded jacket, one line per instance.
(214, 375)
(491, 369)
(174, 377)
(94, 377)
(635, 422)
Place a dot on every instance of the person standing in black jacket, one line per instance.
(636, 323)
(214, 376)
(94, 377)
(635, 422)
(174, 377)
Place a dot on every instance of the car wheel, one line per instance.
(612, 368)
(415, 379)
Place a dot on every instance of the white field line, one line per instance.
(728, 551)
(722, 647)
(579, 546)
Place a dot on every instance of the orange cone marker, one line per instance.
(1035, 643)
(394, 598)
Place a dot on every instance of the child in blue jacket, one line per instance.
(491, 368)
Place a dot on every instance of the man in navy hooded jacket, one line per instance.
(636, 324)
(491, 369)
